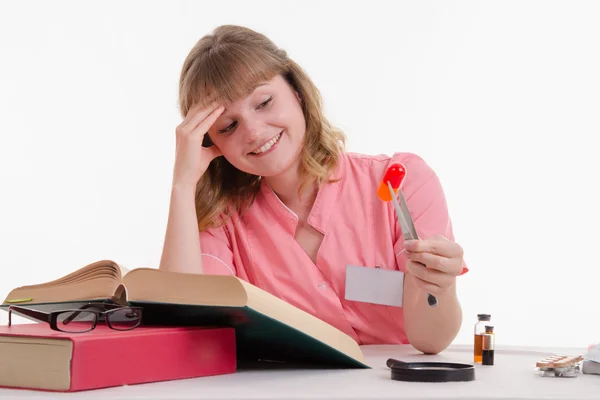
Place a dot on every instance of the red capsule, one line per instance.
(395, 175)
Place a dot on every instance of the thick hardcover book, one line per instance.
(33, 356)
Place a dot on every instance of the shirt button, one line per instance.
(322, 285)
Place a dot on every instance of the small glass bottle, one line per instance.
(482, 319)
(488, 346)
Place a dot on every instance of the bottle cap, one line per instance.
(484, 317)
(489, 328)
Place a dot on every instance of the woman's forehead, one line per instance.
(241, 94)
(227, 95)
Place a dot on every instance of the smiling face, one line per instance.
(263, 133)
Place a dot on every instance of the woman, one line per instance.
(263, 189)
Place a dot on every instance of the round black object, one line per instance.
(431, 371)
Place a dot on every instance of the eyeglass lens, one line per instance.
(124, 318)
(75, 321)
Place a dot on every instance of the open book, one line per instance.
(267, 328)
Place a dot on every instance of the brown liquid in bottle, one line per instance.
(478, 348)
(487, 357)
(488, 346)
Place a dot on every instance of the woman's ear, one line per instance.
(298, 96)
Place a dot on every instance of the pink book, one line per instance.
(33, 356)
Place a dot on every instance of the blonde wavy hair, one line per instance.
(226, 66)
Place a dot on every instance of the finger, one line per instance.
(429, 275)
(195, 117)
(428, 287)
(437, 245)
(198, 121)
(201, 129)
(199, 106)
(194, 109)
(444, 264)
(204, 125)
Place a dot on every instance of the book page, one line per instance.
(124, 271)
(96, 280)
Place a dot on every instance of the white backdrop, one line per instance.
(501, 98)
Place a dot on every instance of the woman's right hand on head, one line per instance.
(191, 158)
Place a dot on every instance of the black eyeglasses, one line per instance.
(85, 318)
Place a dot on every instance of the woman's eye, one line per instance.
(228, 128)
(231, 126)
(265, 103)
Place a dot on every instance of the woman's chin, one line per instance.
(280, 168)
(274, 166)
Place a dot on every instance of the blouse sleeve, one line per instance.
(217, 255)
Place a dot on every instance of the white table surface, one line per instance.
(512, 377)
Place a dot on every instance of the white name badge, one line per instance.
(374, 285)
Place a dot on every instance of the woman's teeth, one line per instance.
(267, 145)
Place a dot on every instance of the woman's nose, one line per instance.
(253, 131)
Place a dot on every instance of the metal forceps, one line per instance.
(407, 226)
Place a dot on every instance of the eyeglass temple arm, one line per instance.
(39, 315)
